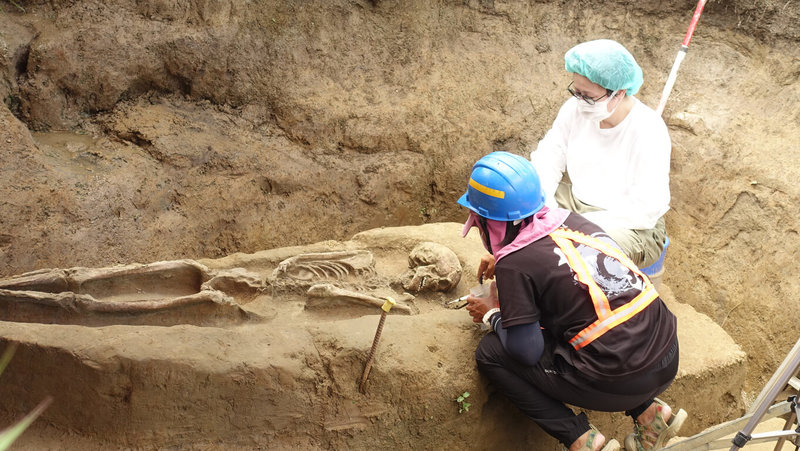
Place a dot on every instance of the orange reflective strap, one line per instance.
(602, 247)
(620, 315)
(606, 317)
(578, 264)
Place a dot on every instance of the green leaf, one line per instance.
(17, 5)
(7, 354)
(466, 394)
(7, 436)
(466, 406)
(460, 398)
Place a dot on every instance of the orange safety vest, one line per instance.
(607, 318)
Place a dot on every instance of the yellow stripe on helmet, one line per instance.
(486, 190)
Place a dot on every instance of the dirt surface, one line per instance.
(263, 358)
(135, 132)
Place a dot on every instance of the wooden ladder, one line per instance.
(774, 400)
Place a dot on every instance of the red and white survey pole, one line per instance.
(673, 74)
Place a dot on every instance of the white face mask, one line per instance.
(599, 111)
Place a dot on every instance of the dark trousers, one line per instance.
(541, 391)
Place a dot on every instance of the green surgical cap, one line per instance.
(606, 63)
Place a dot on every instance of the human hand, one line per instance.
(486, 267)
(477, 307)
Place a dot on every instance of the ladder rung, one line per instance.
(706, 440)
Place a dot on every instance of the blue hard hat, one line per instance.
(606, 63)
(503, 187)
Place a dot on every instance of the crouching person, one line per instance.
(574, 321)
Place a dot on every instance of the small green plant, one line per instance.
(426, 213)
(463, 405)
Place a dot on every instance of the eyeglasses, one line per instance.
(587, 99)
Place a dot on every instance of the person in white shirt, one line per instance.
(607, 154)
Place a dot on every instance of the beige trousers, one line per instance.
(643, 246)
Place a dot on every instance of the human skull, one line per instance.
(432, 267)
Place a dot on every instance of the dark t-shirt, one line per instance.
(536, 283)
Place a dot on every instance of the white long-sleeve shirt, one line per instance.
(623, 170)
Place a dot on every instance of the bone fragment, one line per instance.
(326, 290)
